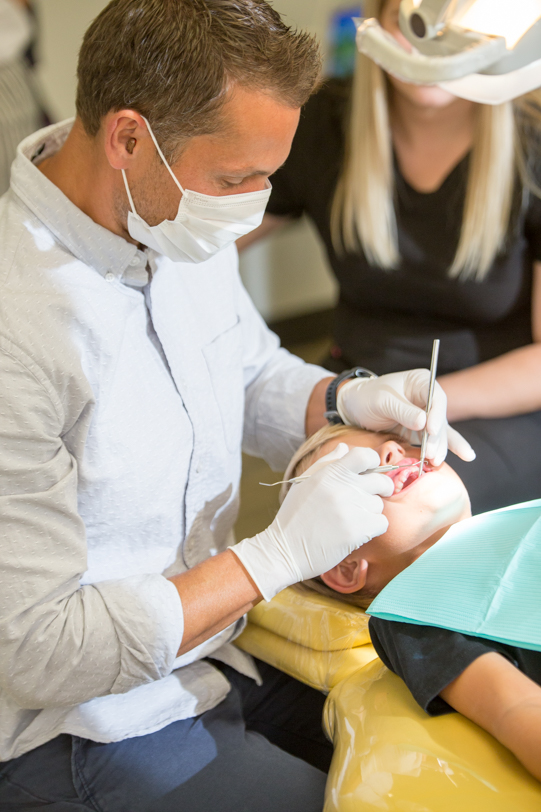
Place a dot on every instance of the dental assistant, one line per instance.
(429, 209)
(133, 366)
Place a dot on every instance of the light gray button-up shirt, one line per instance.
(123, 406)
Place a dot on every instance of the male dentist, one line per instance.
(132, 368)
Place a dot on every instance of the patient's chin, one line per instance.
(450, 505)
(443, 491)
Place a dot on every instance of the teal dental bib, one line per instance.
(482, 578)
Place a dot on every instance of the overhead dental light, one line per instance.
(484, 50)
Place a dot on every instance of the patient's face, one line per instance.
(419, 512)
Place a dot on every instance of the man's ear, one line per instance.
(124, 133)
(348, 576)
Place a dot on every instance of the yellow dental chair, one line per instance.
(389, 755)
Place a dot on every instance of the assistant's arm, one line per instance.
(505, 702)
(504, 386)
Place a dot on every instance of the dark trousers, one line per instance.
(229, 759)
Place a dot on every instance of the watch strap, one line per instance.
(331, 407)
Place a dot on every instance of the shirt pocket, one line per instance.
(223, 356)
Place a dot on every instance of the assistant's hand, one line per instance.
(321, 521)
(397, 402)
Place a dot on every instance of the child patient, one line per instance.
(494, 684)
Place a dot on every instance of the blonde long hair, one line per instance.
(363, 213)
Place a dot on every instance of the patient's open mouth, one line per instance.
(406, 477)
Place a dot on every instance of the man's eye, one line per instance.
(229, 184)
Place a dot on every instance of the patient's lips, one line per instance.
(406, 477)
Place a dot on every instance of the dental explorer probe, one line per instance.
(433, 370)
(382, 469)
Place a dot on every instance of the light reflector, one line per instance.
(501, 19)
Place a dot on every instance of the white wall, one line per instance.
(287, 274)
(62, 25)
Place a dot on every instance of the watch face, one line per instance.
(361, 372)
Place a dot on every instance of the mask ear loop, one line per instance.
(130, 198)
(160, 153)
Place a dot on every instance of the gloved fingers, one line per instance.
(358, 460)
(459, 445)
(400, 410)
(409, 416)
(379, 526)
(436, 448)
(369, 486)
(336, 454)
(365, 492)
(377, 484)
(409, 437)
(437, 419)
(416, 383)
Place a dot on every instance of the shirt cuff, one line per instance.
(147, 614)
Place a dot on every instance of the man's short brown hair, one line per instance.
(172, 61)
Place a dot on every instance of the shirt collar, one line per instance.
(89, 242)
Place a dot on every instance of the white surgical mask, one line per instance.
(204, 225)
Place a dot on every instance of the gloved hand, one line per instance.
(321, 521)
(397, 403)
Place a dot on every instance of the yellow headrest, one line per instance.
(313, 620)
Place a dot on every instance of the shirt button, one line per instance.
(134, 261)
(110, 276)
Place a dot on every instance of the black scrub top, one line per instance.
(387, 320)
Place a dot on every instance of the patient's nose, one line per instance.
(390, 453)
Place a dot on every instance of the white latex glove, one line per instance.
(397, 403)
(321, 521)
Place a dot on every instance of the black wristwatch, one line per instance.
(331, 413)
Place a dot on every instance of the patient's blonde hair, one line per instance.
(363, 213)
(300, 462)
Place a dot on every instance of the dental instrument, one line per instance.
(432, 383)
(488, 51)
(382, 469)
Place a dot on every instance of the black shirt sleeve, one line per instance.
(427, 658)
(532, 227)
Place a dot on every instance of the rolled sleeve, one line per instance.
(63, 643)
(146, 612)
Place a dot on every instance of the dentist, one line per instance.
(133, 366)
